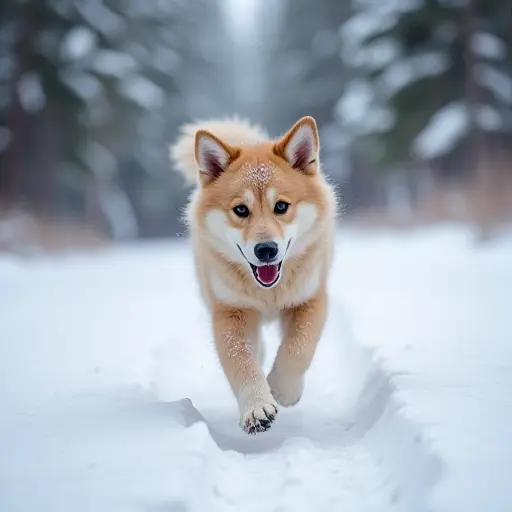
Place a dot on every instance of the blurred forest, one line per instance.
(412, 97)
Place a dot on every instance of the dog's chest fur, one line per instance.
(301, 279)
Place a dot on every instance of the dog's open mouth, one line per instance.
(266, 275)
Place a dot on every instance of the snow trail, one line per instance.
(113, 399)
(345, 444)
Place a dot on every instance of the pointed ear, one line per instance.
(299, 146)
(212, 155)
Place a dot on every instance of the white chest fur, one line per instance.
(306, 281)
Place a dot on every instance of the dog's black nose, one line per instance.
(266, 251)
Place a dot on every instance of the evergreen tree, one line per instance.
(427, 75)
(96, 89)
(305, 73)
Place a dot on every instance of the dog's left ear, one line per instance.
(299, 146)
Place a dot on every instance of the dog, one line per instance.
(261, 219)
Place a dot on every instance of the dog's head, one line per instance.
(261, 204)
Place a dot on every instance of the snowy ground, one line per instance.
(112, 398)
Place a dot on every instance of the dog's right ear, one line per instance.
(212, 155)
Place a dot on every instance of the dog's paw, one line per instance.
(258, 416)
(286, 390)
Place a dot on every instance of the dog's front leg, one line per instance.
(235, 330)
(302, 327)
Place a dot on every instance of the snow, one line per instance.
(444, 129)
(85, 85)
(374, 17)
(30, 91)
(364, 25)
(119, 211)
(496, 81)
(358, 109)
(142, 91)
(372, 57)
(405, 71)
(79, 42)
(113, 399)
(451, 123)
(438, 309)
(100, 160)
(489, 118)
(113, 63)
(488, 45)
(101, 18)
(166, 59)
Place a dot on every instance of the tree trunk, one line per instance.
(482, 170)
(17, 118)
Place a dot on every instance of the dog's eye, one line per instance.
(241, 210)
(281, 207)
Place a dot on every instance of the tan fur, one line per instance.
(257, 171)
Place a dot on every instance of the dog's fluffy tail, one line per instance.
(233, 130)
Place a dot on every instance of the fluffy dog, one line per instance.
(261, 221)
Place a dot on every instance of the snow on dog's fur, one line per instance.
(261, 222)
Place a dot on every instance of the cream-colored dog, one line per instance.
(261, 222)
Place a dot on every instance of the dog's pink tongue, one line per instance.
(267, 274)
